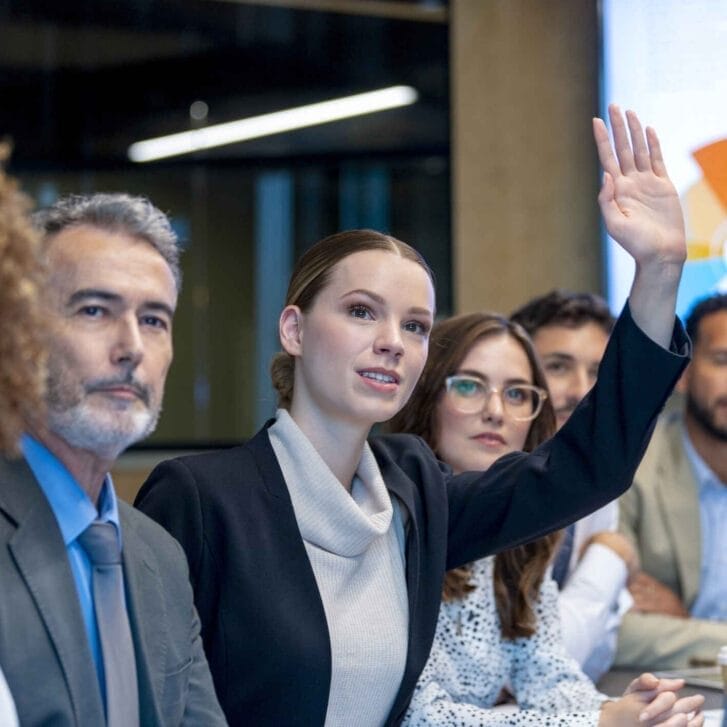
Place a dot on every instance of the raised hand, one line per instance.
(639, 203)
(642, 212)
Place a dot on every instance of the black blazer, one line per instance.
(264, 627)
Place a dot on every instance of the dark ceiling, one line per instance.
(83, 80)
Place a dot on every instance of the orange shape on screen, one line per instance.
(713, 160)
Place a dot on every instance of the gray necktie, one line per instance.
(101, 543)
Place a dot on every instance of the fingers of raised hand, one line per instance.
(621, 144)
(657, 160)
(635, 149)
(605, 150)
(641, 155)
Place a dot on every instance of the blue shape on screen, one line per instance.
(700, 278)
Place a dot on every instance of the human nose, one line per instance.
(128, 347)
(581, 383)
(493, 409)
(389, 340)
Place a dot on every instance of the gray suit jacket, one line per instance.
(44, 650)
(660, 513)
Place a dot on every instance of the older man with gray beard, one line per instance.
(97, 623)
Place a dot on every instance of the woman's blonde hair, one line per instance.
(22, 353)
(311, 275)
(519, 571)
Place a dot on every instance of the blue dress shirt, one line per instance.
(711, 603)
(74, 512)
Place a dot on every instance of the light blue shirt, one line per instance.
(74, 512)
(711, 603)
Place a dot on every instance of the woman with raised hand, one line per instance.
(317, 557)
(483, 395)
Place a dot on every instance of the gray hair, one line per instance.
(115, 212)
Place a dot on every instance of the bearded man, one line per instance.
(97, 623)
(676, 515)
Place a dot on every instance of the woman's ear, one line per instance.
(290, 330)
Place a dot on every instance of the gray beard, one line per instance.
(102, 433)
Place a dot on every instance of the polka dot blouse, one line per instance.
(471, 663)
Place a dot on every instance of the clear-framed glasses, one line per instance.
(521, 402)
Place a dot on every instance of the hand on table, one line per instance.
(653, 702)
(652, 596)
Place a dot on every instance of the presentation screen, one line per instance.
(667, 60)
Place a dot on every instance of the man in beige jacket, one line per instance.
(676, 515)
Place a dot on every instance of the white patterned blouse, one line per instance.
(471, 662)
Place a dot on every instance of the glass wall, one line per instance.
(80, 84)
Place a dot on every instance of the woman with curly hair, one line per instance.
(21, 350)
(22, 357)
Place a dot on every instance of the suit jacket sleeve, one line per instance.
(590, 461)
(202, 707)
(171, 654)
(667, 642)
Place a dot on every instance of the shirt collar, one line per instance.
(706, 478)
(71, 506)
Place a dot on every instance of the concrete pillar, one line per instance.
(524, 167)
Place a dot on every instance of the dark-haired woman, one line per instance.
(484, 394)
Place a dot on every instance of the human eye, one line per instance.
(719, 358)
(154, 321)
(359, 310)
(557, 367)
(92, 311)
(418, 327)
(517, 395)
(466, 388)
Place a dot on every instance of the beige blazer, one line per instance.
(660, 513)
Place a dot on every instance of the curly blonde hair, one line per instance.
(22, 353)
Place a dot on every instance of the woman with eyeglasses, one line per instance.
(316, 554)
(483, 395)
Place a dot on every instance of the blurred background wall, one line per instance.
(491, 172)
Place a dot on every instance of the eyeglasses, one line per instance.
(521, 402)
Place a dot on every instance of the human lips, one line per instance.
(490, 439)
(128, 392)
(380, 377)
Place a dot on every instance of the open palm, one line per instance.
(639, 203)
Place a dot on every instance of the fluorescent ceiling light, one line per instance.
(187, 142)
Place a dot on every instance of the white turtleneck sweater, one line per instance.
(359, 569)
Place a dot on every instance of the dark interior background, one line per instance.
(81, 81)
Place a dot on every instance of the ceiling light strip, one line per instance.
(255, 127)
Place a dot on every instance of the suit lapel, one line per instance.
(679, 501)
(40, 555)
(145, 603)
